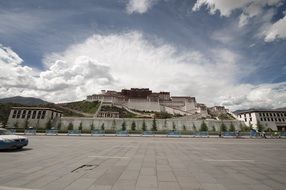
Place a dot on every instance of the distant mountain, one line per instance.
(281, 109)
(24, 101)
(259, 109)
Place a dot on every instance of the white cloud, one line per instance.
(135, 62)
(255, 96)
(276, 31)
(225, 7)
(129, 60)
(250, 9)
(139, 6)
(60, 81)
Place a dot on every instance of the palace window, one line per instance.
(18, 114)
(39, 114)
(24, 114)
(29, 114)
(14, 113)
(43, 114)
(34, 114)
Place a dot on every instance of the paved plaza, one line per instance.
(127, 163)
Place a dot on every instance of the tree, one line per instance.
(92, 126)
(213, 129)
(194, 127)
(26, 124)
(102, 127)
(80, 126)
(4, 124)
(241, 127)
(174, 126)
(113, 125)
(154, 125)
(223, 127)
(16, 124)
(70, 126)
(260, 127)
(144, 126)
(133, 126)
(49, 124)
(123, 126)
(204, 126)
(59, 126)
(269, 130)
(184, 127)
(165, 124)
(250, 126)
(37, 124)
(231, 127)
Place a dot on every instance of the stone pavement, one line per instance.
(127, 163)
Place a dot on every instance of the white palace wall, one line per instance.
(143, 105)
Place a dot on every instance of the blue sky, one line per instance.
(233, 49)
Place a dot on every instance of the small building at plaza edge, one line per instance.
(34, 117)
(273, 119)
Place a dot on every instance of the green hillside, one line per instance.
(122, 112)
(82, 106)
(66, 113)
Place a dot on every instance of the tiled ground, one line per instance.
(104, 163)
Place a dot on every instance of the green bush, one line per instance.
(80, 126)
(184, 128)
(194, 127)
(144, 127)
(154, 125)
(204, 126)
(102, 127)
(213, 129)
(49, 124)
(123, 126)
(231, 127)
(174, 126)
(70, 126)
(133, 126)
(91, 126)
(223, 127)
(260, 127)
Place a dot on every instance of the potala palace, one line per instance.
(144, 108)
(143, 99)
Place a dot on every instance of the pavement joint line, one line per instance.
(214, 160)
(114, 157)
(125, 146)
(14, 188)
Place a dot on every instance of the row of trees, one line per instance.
(144, 127)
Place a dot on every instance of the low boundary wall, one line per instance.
(161, 124)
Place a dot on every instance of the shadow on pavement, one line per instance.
(16, 150)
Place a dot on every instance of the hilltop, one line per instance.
(24, 101)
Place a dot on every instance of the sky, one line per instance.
(223, 52)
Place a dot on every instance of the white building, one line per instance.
(274, 119)
(36, 117)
